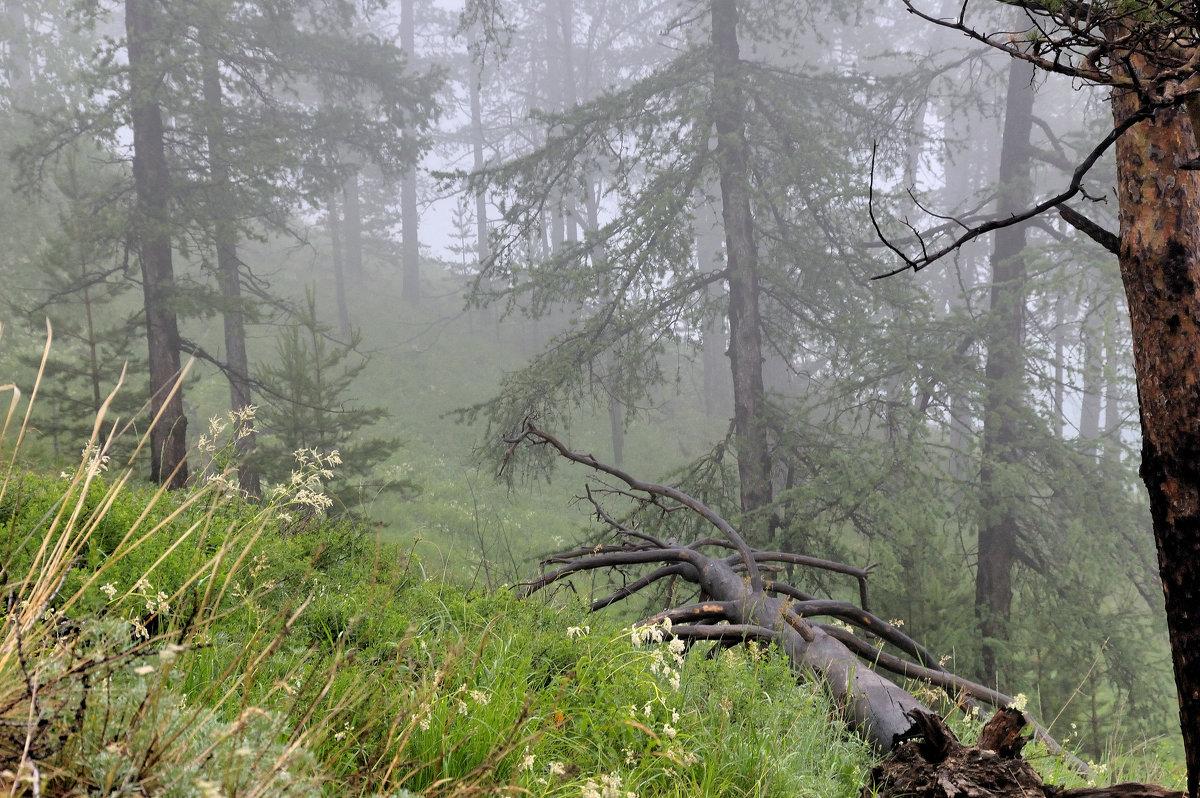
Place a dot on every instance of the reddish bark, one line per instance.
(1160, 267)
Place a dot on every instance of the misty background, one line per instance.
(445, 220)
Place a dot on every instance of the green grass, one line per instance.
(195, 644)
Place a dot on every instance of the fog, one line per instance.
(403, 229)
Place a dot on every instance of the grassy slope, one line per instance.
(219, 650)
(385, 645)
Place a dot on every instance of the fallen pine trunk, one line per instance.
(932, 763)
(734, 603)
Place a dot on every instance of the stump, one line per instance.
(930, 762)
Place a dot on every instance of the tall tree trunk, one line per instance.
(152, 183)
(1093, 377)
(1060, 370)
(79, 247)
(1004, 375)
(229, 277)
(410, 281)
(482, 247)
(1159, 208)
(352, 229)
(745, 323)
(570, 98)
(710, 252)
(1112, 387)
(345, 327)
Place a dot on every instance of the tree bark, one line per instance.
(152, 184)
(229, 277)
(1004, 379)
(745, 324)
(1159, 207)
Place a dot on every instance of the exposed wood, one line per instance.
(932, 763)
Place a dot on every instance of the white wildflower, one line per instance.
(139, 629)
(170, 652)
(209, 789)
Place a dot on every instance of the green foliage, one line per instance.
(194, 643)
(210, 650)
(310, 380)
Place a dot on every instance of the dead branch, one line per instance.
(735, 604)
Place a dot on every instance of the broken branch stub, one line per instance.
(930, 762)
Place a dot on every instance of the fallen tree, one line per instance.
(841, 643)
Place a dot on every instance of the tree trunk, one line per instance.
(1093, 377)
(1112, 387)
(1160, 268)
(410, 281)
(1004, 380)
(345, 327)
(230, 278)
(745, 325)
(152, 183)
(1060, 371)
(482, 247)
(352, 235)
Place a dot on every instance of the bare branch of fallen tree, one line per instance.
(735, 604)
